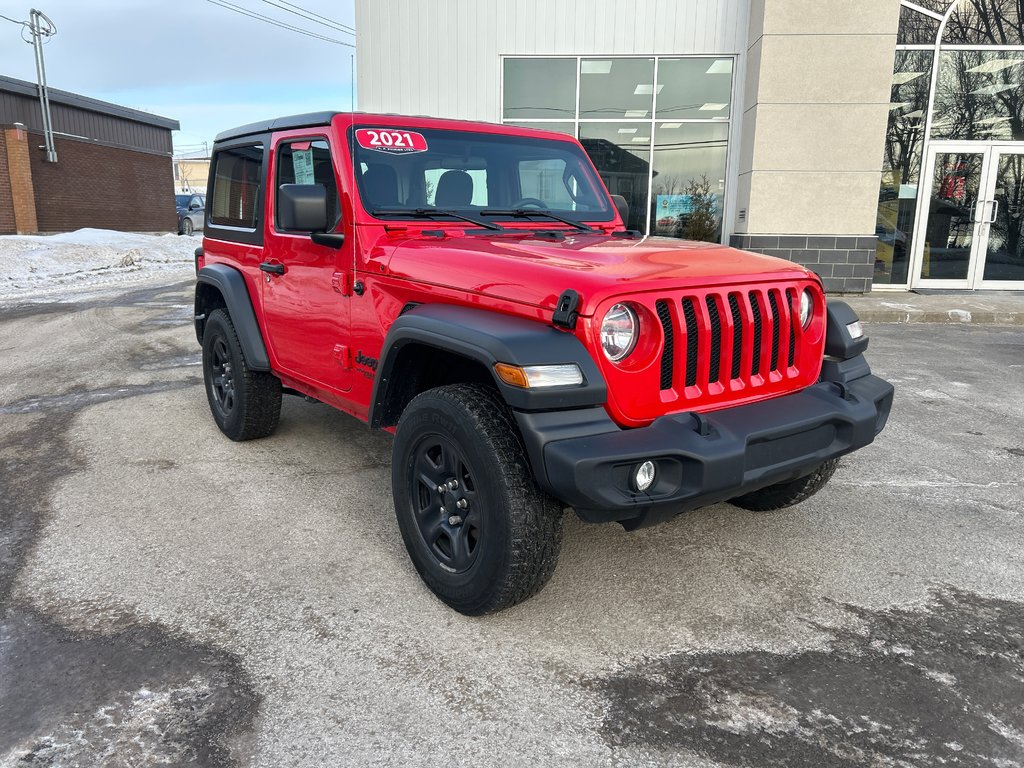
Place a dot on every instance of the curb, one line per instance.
(950, 316)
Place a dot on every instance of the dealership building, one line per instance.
(878, 142)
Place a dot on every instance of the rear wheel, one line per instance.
(480, 532)
(246, 404)
(787, 494)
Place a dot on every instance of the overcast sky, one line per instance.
(208, 67)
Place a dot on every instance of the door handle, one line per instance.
(995, 212)
(274, 269)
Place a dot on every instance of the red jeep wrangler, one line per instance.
(471, 288)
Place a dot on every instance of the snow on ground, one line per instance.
(68, 266)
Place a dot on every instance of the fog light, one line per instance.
(855, 329)
(643, 477)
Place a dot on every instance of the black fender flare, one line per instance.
(488, 338)
(231, 285)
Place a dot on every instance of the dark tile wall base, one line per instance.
(844, 263)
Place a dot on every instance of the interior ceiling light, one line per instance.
(627, 130)
(901, 78)
(713, 106)
(644, 139)
(596, 67)
(1002, 119)
(992, 90)
(901, 105)
(635, 113)
(915, 113)
(720, 67)
(671, 125)
(646, 89)
(995, 65)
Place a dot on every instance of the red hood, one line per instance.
(536, 272)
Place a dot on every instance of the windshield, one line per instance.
(182, 200)
(480, 175)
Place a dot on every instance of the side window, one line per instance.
(309, 162)
(236, 186)
(455, 187)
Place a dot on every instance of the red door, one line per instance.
(306, 303)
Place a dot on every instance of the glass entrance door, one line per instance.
(970, 233)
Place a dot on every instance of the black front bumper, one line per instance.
(582, 458)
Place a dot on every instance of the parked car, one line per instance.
(471, 289)
(191, 209)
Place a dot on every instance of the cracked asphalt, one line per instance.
(170, 597)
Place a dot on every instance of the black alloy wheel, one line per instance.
(446, 505)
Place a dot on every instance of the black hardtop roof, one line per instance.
(317, 119)
(307, 120)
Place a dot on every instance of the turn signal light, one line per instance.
(539, 376)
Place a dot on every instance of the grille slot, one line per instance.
(715, 371)
(669, 352)
(775, 331)
(794, 318)
(692, 342)
(755, 360)
(737, 335)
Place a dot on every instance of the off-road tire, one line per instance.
(254, 407)
(519, 527)
(782, 495)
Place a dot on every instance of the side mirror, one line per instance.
(622, 207)
(302, 207)
(195, 207)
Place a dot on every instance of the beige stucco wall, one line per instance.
(192, 175)
(816, 99)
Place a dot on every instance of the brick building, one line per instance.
(113, 168)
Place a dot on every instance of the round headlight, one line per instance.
(619, 331)
(806, 308)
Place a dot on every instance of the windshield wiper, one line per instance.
(431, 213)
(522, 213)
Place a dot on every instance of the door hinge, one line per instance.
(343, 355)
(342, 283)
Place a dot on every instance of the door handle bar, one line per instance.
(995, 212)
(274, 269)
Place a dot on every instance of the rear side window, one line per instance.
(236, 186)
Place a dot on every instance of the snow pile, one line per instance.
(55, 267)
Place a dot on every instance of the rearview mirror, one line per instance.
(622, 207)
(302, 207)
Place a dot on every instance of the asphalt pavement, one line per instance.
(168, 596)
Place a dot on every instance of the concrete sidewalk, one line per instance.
(980, 307)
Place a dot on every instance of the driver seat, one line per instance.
(454, 190)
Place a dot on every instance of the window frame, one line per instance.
(280, 142)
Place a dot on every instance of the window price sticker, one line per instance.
(391, 140)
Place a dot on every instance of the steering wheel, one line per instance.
(530, 201)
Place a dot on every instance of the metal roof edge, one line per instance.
(87, 103)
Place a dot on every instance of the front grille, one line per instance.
(668, 353)
(722, 338)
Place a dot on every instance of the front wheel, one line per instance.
(479, 531)
(787, 494)
(186, 226)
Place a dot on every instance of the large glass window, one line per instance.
(901, 165)
(622, 154)
(979, 96)
(689, 180)
(544, 88)
(985, 22)
(632, 112)
(616, 88)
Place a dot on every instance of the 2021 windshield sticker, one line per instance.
(391, 140)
